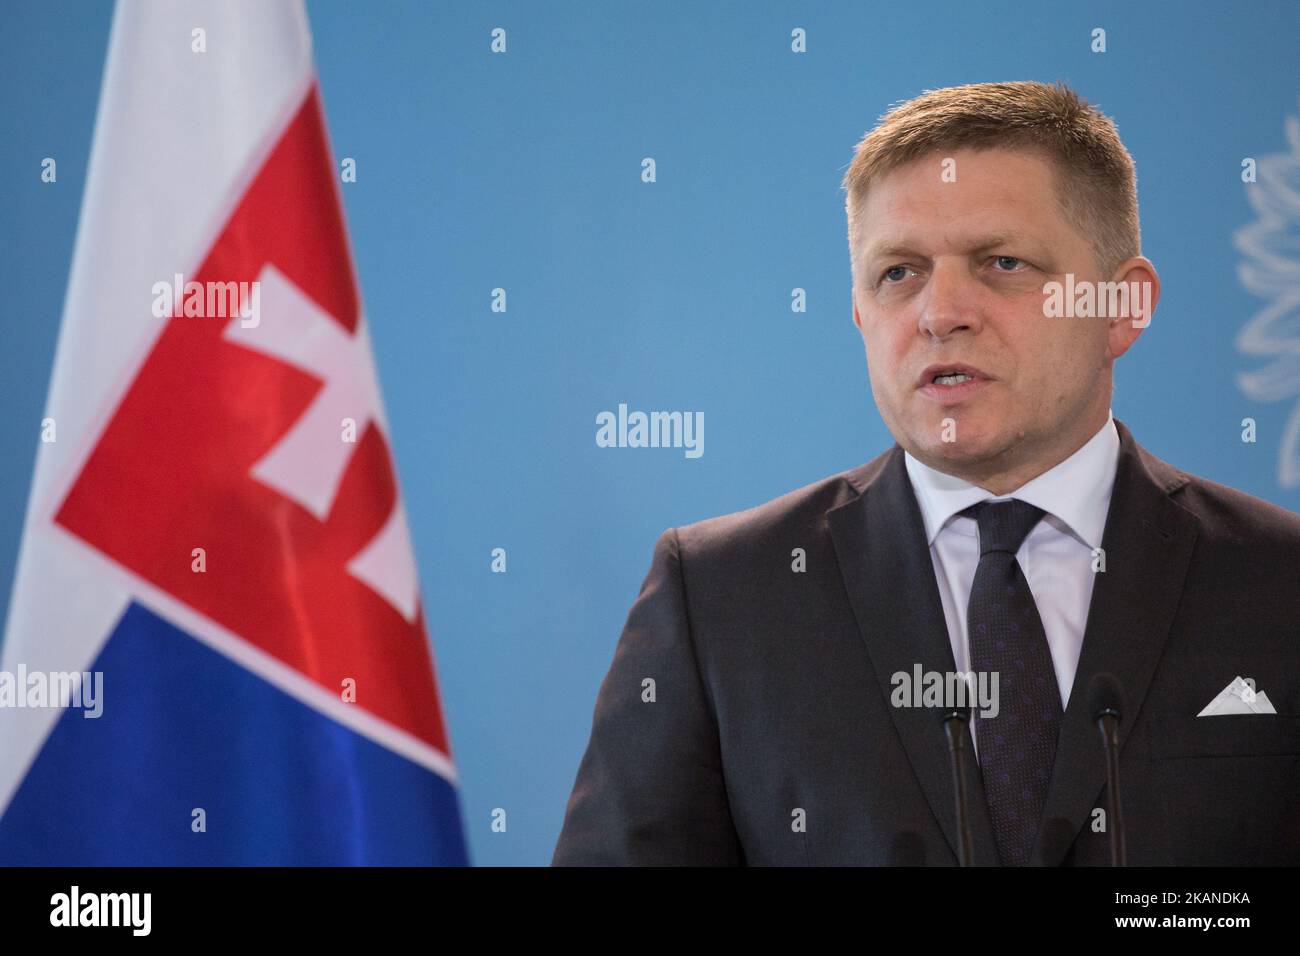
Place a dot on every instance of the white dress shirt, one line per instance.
(1056, 557)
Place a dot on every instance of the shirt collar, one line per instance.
(1076, 491)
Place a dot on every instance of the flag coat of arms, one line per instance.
(215, 547)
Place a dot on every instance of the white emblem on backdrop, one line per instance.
(1271, 270)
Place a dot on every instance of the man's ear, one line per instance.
(857, 319)
(1138, 276)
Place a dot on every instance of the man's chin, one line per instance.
(963, 449)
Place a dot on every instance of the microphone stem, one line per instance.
(957, 751)
(1115, 827)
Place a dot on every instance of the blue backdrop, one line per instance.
(522, 171)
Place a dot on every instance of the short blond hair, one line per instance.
(1096, 183)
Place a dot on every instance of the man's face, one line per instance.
(951, 274)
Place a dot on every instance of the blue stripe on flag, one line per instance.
(183, 728)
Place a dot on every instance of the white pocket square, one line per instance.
(1239, 697)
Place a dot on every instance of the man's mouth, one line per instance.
(949, 375)
(950, 384)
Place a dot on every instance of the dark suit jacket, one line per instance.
(772, 688)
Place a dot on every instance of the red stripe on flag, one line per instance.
(172, 470)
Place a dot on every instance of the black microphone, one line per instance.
(954, 728)
(1106, 704)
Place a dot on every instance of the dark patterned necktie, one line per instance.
(1017, 747)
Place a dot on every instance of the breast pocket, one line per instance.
(1229, 735)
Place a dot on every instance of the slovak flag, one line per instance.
(216, 651)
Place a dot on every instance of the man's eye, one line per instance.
(1003, 261)
(895, 273)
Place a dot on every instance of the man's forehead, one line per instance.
(997, 177)
(905, 239)
(1015, 161)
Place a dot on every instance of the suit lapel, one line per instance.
(879, 540)
(1148, 543)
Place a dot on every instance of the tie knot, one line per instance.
(1004, 525)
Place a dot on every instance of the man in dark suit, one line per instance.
(761, 707)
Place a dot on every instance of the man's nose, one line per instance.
(949, 303)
